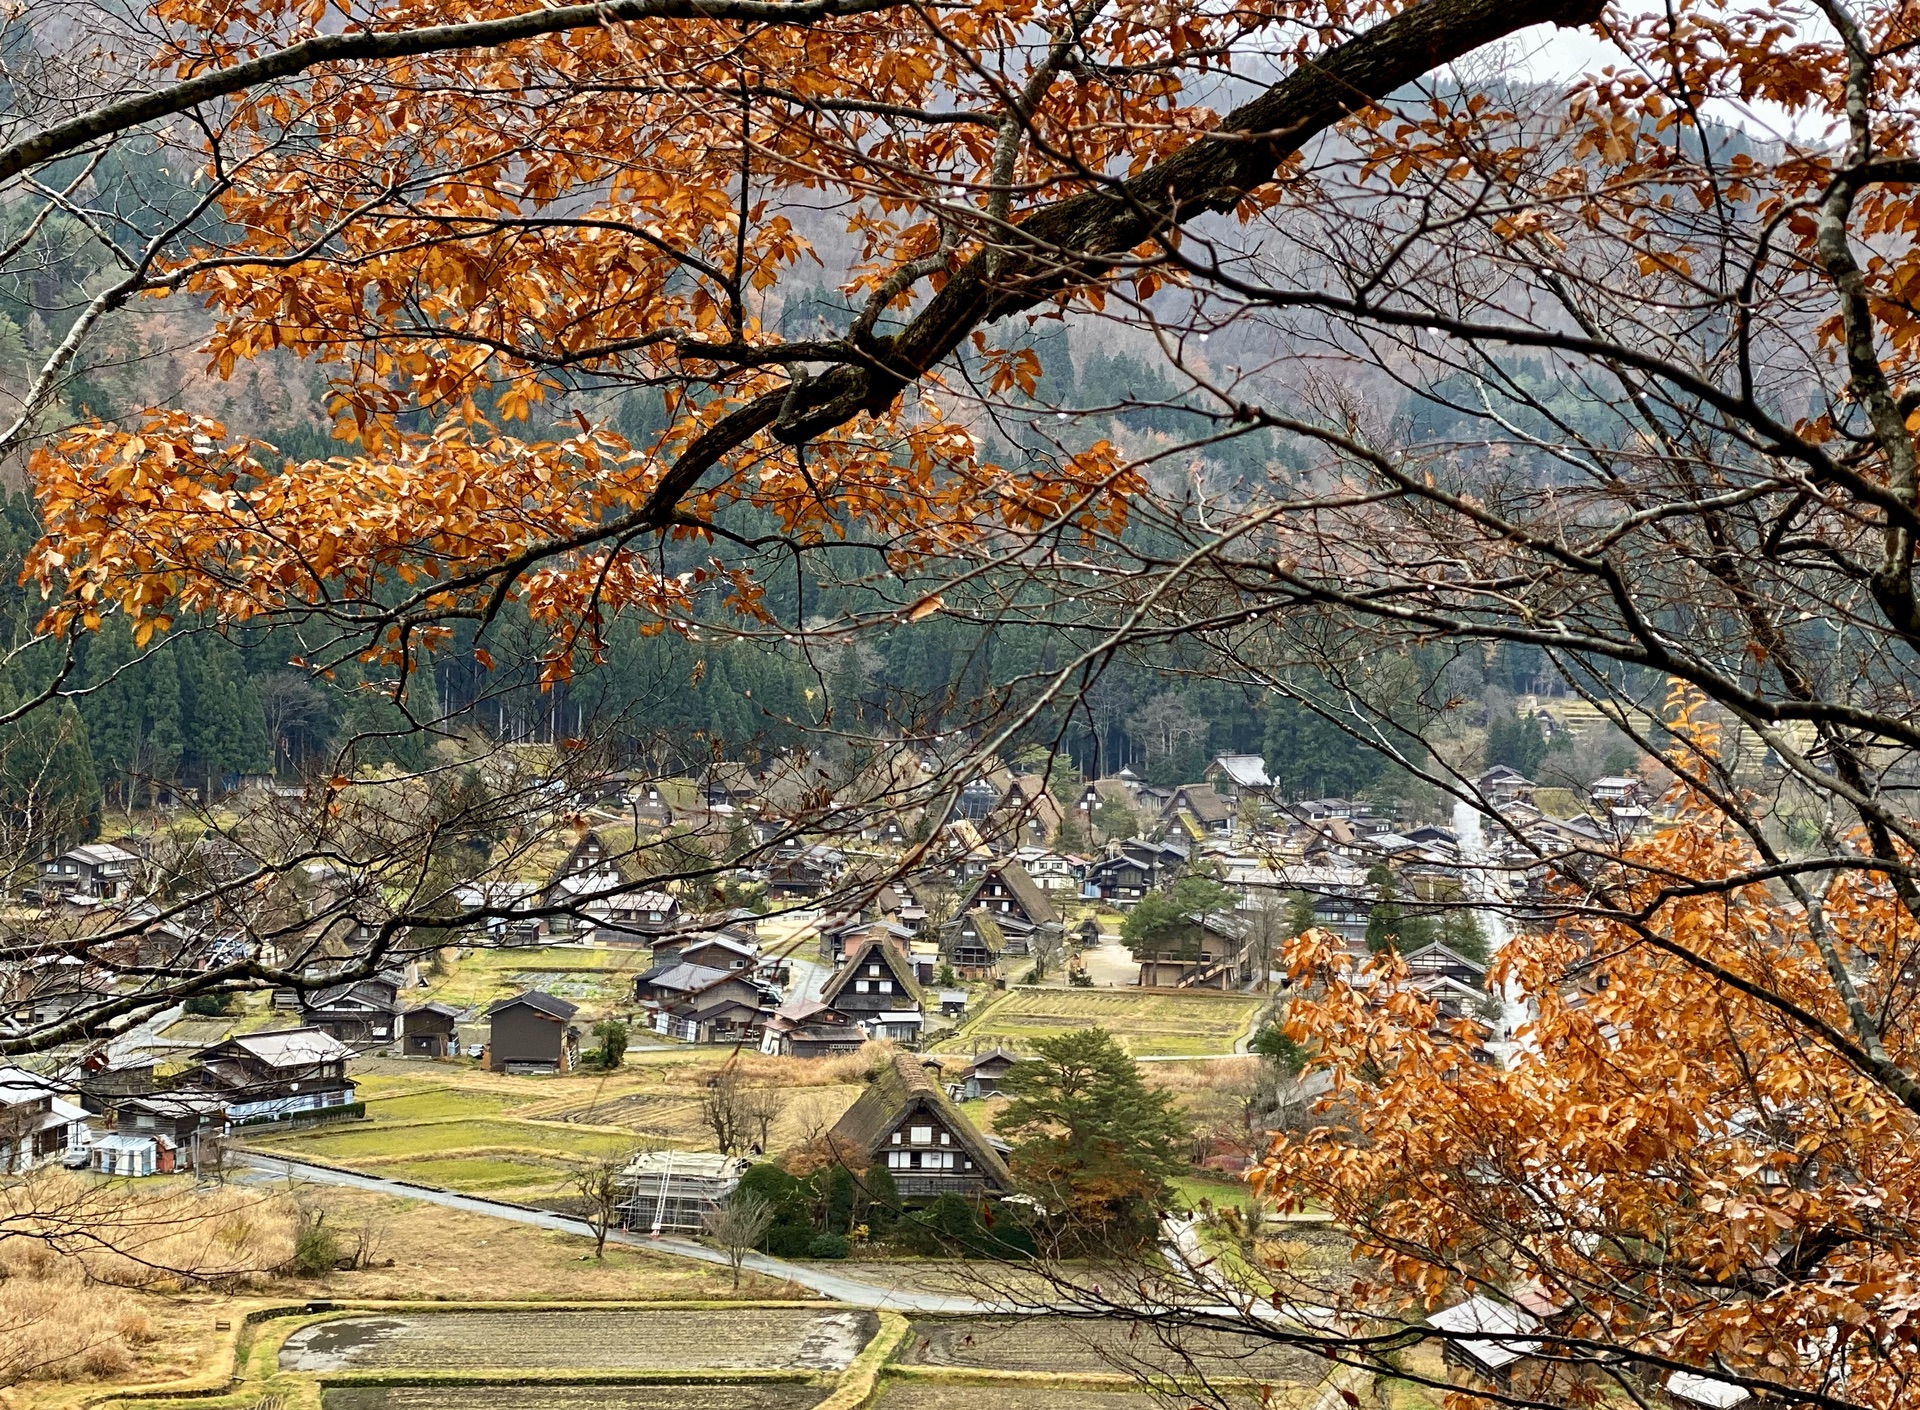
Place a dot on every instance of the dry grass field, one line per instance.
(1150, 1024)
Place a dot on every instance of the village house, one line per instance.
(725, 948)
(1134, 868)
(362, 1013)
(430, 1030)
(1027, 814)
(1053, 872)
(286, 1074)
(1209, 952)
(1501, 785)
(532, 1032)
(876, 986)
(1121, 790)
(1238, 776)
(1199, 811)
(803, 873)
(39, 1121)
(1438, 961)
(1508, 1362)
(1019, 908)
(699, 1004)
(99, 871)
(631, 917)
(808, 1028)
(983, 1075)
(1616, 790)
(725, 783)
(905, 1121)
(979, 796)
(897, 828)
(159, 1133)
(974, 945)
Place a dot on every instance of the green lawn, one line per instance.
(596, 973)
(1189, 1190)
(399, 1099)
(477, 1173)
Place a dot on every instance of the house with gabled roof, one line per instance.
(1027, 815)
(1008, 892)
(904, 1121)
(532, 1032)
(1209, 812)
(876, 986)
(985, 1074)
(1134, 868)
(100, 871)
(1439, 960)
(430, 1030)
(699, 1005)
(1502, 784)
(973, 945)
(807, 1028)
(1238, 776)
(361, 1013)
(284, 1074)
(38, 1121)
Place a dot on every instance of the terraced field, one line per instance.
(1065, 1345)
(613, 1339)
(595, 1397)
(912, 1395)
(1149, 1024)
(388, 1140)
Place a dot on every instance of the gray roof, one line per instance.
(549, 1004)
(293, 1047)
(685, 976)
(1246, 770)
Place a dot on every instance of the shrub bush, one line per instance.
(789, 1240)
(316, 1248)
(828, 1246)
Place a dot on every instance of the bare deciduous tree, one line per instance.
(737, 1227)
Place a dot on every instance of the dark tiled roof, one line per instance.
(549, 1004)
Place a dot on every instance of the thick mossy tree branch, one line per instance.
(1077, 241)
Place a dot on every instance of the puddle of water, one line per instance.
(330, 1346)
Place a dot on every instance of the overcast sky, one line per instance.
(1549, 52)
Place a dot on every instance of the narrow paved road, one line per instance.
(821, 1280)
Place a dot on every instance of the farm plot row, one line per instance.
(1108, 1345)
(1150, 1025)
(617, 1339)
(565, 1397)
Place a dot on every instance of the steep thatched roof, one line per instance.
(900, 1088)
(872, 948)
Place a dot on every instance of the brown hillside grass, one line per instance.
(75, 1254)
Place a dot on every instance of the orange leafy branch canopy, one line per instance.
(1679, 1167)
(461, 238)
